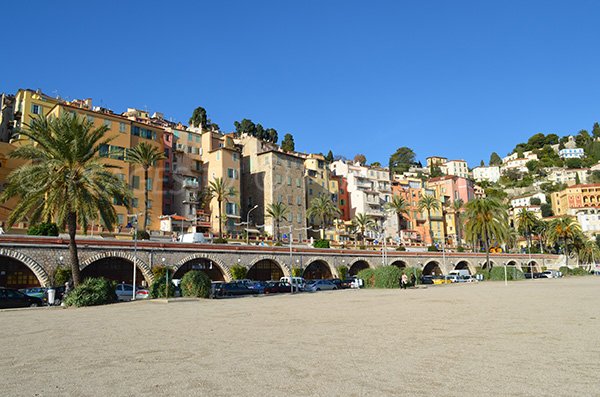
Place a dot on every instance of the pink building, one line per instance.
(450, 188)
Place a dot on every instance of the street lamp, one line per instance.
(135, 236)
(248, 224)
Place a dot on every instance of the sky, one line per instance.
(458, 79)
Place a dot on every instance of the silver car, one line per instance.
(320, 285)
(125, 292)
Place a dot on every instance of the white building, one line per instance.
(588, 218)
(490, 174)
(568, 176)
(516, 164)
(525, 201)
(369, 189)
(575, 153)
(456, 167)
(529, 155)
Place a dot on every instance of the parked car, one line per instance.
(297, 281)
(320, 285)
(279, 287)
(37, 292)
(11, 298)
(258, 286)
(441, 280)
(125, 292)
(42, 293)
(426, 279)
(337, 282)
(234, 289)
(551, 274)
(347, 283)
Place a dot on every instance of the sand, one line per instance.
(533, 337)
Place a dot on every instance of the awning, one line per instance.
(255, 231)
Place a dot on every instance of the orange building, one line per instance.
(577, 196)
(414, 228)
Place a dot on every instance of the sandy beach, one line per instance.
(530, 338)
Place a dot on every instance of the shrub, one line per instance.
(143, 235)
(43, 229)
(195, 283)
(278, 244)
(484, 272)
(159, 271)
(62, 274)
(220, 240)
(362, 247)
(321, 244)
(158, 288)
(577, 271)
(432, 248)
(401, 248)
(368, 276)
(460, 249)
(238, 272)
(342, 272)
(296, 272)
(512, 273)
(92, 292)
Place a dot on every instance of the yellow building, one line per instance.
(316, 177)
(7, 165)
(577, 196)
(30, 104)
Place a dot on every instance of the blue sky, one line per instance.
(453, 78)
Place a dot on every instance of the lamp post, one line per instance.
(505, 275)
(248, 224)
(134, 218)
(166, 278)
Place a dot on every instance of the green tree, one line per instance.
(533, 166)
(429, 203)
(482, 163)
(573, 163)
(245, 127)
(401, 160)
(563, 229)
(376, 164)
(66, 180)
(526, 223)
(329, 157)
(596, 130)
(457, 207)
(487, 221)
(495, 159)
(546, 210)
(361, 223)
(398, 206)
(223, 193)
(287, 145)
(198, 118)
(323, 208)
(146, 156)
(435, 171)
(361, 159)
(271, 135)
(278, 212)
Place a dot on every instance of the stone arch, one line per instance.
(432, 267)
(400, 263)
(357, 265)
(275, 269)
(465, 264)
(318, 269)
(213, 258)
(531, 266)
(141, 265)
(35, 267)
(513, 263)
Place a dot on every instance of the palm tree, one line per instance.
(563, 229)
(429, 203)
(399, 206)
(457, 207)
(322, 208)
(541, 229)
(222, 192)
(362, 223)
(487, 220)
(146, 156)
(526, 223)
(278, 212)
(589, 253)
(66, 180)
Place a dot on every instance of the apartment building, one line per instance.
(456, 167)
(577, 196)
(414, 229)
(316, 179)
(343, 196)
(589, 219)
(29, 104)
(271, 176)
(435, 161)
(517, 164)
(489, 174)
(568, 176)
(369, 189)
(525, 200)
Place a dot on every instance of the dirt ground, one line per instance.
(533, 337)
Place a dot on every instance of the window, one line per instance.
(120, 219)
(122, 127)
(134, 202)
(135, 182)
(278, 178)
(231, 173)
(289, 181)
(279, 198)
(149, 204)
(197, 138)
(234, 156)
(289, 199)
(103, 152)
(289, 164)
(149, 184)
(90, 118)
(298, 200)
(297, 182)
(218, 155)
(198, 165)
(36, 109)
(190, 137)
(299, 217)
(230, 209)
(108, 123)
(342, 202)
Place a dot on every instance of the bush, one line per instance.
(278, 244)
(460, 249)
(143, 235)
(62, 274)
(296, 272)
(401, 248)
(362, 247)
(43, 229)
(381, 277)
(238, 272)
(92, 292)
(432, 248)
(512, 273)
(321, 244)
(157, 289)
(195, 283)
(484, 272)
(220, 240)
(577, 271)
(159, 271)
(342, 272)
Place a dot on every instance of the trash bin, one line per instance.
(51, 296)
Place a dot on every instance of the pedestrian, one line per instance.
(404, 281)
(413, 280)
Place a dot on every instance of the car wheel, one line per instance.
(334, 288)
(33, 305)
(318, 289)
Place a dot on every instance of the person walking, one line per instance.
(404, 281)
(413, 280)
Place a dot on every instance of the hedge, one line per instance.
(342, 272)
(321, 244)
(195, 283)
(157, 289)
(381, 277)
(92, 292)
(577, 271)
(238, 272)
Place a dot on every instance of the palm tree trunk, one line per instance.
(145, 199)
(458, 239)
(566, 253)
(399, 223)
(220, 219)
(486, 245)
(430, 226)
(72, 229)
(278, 237)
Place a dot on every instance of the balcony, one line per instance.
(190, 184)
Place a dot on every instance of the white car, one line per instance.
(125, 292)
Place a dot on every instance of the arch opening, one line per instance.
(317, 270)
(400, 264)
(432, 268)
(463, 265)
(114, 268)
(265, 270)
(15, 274)
(212, 270)
(357, 267)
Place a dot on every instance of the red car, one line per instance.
(278, 287)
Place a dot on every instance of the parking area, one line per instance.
(535, 337)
